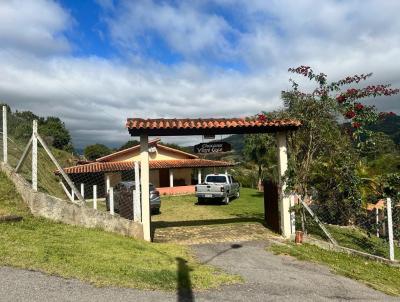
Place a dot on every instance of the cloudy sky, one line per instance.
(96, 62)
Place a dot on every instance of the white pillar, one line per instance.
(34, 155)
(137, 208)
(171, 178)
(107, 183)
(144, 179)
(83, 190)
(199, 176)
(5, 153)
(390, 228)
(226, 171)
(95, 197)
(377, 221)
(111, 200)
(284, 200)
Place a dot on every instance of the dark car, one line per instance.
(123, 199)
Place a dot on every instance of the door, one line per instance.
(164, 178)
(271, 207)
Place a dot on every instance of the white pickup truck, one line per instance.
(218, 186)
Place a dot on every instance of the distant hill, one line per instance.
(390, 126)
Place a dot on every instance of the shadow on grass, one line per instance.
(167, 224)
(184, 284)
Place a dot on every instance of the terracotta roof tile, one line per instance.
(138, 123)
(97, 167)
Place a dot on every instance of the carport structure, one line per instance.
(184, 127)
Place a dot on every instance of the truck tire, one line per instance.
(200, 200)
(226, 200)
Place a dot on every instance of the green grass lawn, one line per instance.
(96, 256)
(355, 238)
(183, 210)
(377, 275)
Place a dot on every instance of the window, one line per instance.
(216, 179)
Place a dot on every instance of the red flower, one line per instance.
(341, 99)
(350, 114)
(356, 125)
(261, 117)
(359, 106)
(391, 113)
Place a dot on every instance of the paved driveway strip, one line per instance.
(268, 278)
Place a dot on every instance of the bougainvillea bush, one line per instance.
(325, 155)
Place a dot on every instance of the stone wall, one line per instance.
(53, 208)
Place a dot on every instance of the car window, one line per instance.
(216, 179)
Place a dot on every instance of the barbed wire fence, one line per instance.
(46, 170)
(375, 231)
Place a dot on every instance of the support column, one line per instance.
(5, 153)
(144, 179)
(284, 200)
(34, 155)
(171, 178)
(107, 183)
(199, 176)
(226, 171)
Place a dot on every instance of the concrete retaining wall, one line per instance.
(53, 208)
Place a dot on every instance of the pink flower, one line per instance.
(359, 106)
(350, 114)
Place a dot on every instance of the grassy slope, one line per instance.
(93, 255)
(377, 275)
(248, 208)
(355, 238)
(48, 182)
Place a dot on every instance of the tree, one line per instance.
(260, 149)
(92, 152)
(324, 157)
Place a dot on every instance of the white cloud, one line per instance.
(35, 26)
(182, 25)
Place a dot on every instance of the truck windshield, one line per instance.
(216, 179)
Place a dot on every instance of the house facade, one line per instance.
(172, 171)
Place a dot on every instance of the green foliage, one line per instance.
(52, 129)
(129, 144)
(92, 152)
(389, 125)
(260, 150)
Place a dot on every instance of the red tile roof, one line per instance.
(212, 124)
(136, 148)
(154, 164)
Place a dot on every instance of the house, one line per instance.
(172, 171)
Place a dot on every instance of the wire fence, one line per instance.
(369, 232)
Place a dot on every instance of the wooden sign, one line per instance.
(213, 147)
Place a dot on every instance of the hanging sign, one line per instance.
(214, 147)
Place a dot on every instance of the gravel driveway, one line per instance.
(267, 278)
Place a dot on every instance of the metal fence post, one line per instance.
(137, 207)
(83, 190)
(111, 199)
(5, 153)
(34, 155)
(95, 197)
(292, 215)
(390, 228)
